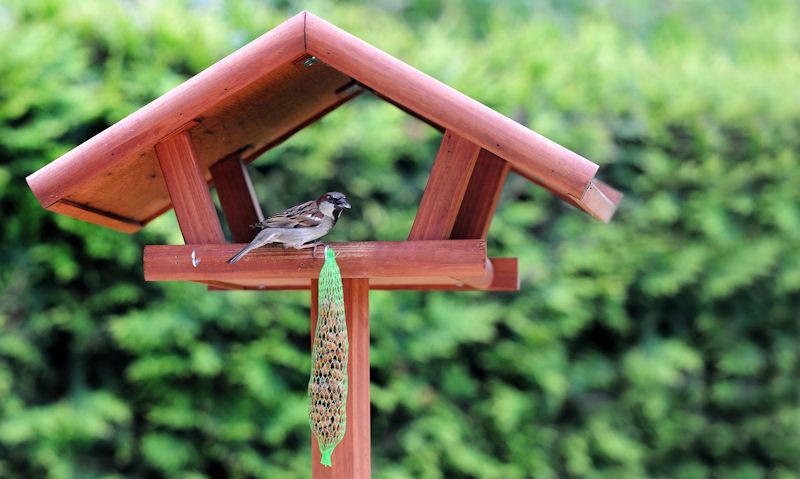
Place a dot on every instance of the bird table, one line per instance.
(204, 132)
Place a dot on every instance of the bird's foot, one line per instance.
(314, 247)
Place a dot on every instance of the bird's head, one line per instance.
(336, 199)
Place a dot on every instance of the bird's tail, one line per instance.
(241, 253)
(264, 237)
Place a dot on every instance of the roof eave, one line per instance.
(563, 172)
(169, 112)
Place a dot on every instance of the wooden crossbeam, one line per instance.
(188, 190)
(351, 458)
(445, 189)
(237, 197)
(368, 259)
(505, 277)
(482, 197)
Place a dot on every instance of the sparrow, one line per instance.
(295, 227)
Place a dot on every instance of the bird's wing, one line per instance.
(304, 215)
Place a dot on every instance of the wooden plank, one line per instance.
(445, 189)
(386, 259)
(237, 197)
(313, 117)
(505, 278)
(482, 197)
(601, 200)
(188, 190)
(504, 274)
(557, 168)
(98, 217)
(165, 115)
(483, 281)
(352, 457)
(261, 116)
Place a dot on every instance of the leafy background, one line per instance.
(663, 345)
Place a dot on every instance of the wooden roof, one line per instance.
(269, 89)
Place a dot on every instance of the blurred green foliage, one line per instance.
(663, 345)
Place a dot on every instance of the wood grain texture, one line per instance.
(352, 457)
(447, 183)
(260, 116)
(601, 200)
(164, 115)
(482, 282)
(188, 190)
(98, 217)
(262, 94)
(555, 167)
(481, 198)
(237, 197)
(329, 104)
(273, 264)
(505, 278)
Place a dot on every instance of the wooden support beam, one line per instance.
(352, 457)
(483, 281)
(188, 190)
(237, 197)
(445, 189)
(505, 278)
(482, 197)
(557, 168)
(600, 200)
(273, 264)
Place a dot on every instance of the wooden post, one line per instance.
(352, 457)
(236, 196)
(188, 190)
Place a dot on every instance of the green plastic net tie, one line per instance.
(327, 386)
(326, 456)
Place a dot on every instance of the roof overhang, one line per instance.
(259, 96)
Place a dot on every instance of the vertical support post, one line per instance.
(237, 197)
(444, 192)
(481, 197)
(188, 190)
(352, 457)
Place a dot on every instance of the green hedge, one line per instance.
(663, 345)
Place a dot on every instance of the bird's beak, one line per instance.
(344, 204)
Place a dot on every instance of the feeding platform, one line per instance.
(204, 132)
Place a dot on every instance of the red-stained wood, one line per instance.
(273, 264)
(554, 166)
(445, 189)
(481, 198)
(601, 200)
(313, 117)
(237, 197)
(352, 457)
(188, 190)
(505, 278)
(145, 127)
(483, 281)
(98, 217)
(262, 94)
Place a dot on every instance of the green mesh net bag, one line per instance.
(327, 387)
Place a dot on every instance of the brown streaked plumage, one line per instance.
(298, 226)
